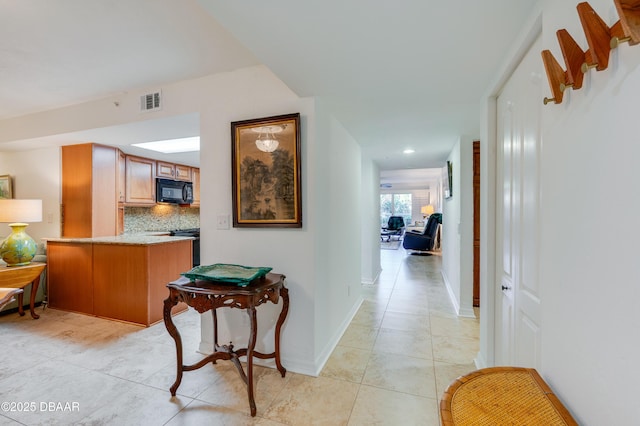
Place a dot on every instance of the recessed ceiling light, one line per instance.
(409, 151)
(172, 146)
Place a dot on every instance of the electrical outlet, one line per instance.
(49, 217)
(223, 222)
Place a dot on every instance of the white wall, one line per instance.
(36, 174)
(321, 260)
(589, 234)
(371, 267)
(457, 229)
(338, 231)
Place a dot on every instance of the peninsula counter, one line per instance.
(122, 278)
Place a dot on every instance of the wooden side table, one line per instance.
(204, 296)
(20, 277)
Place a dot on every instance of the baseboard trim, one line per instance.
(452, 296)
(324, 355)
(479, 361)
(369, 281)
(467, 313)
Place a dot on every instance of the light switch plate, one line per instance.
(223, 221)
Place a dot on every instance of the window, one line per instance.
(395, 205)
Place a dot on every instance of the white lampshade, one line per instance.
(427, 210)
(20, 211)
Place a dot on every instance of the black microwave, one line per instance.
(174, 191)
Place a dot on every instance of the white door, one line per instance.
(519, 106)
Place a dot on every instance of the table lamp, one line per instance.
(426, 211)
(19, 248)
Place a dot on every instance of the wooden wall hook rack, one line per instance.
(618, 36)
(629, 12)
(573, 56)
(601, 39)
(556, 76)
(598, 37)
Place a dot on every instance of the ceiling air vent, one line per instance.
(151, 101)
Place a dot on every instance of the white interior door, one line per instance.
(519, 106)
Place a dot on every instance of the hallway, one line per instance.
(405, 345)
(402, 349)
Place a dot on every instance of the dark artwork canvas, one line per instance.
(266, 172)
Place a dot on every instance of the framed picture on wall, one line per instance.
(448, 181)
(265, 155)
(5, 187)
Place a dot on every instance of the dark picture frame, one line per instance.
(448, 182)
(266, 180)
(6, 187)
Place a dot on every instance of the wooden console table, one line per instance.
(204, 296)
(20, 277)
(502, 396)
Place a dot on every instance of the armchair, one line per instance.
(395, 226)
(425, 240)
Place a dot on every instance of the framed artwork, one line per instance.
(448, 181)
(5, 187)
(265, 155)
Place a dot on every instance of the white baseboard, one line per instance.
(479, 361)
(466, 312)
(324, 355)
(369, 281)
(301, 366)
(452, 296)
(292, 365)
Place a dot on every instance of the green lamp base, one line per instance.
(18, 248)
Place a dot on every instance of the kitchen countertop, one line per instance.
(132, 239)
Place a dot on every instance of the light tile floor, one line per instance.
(402, 349)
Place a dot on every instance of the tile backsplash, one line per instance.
(161, 217)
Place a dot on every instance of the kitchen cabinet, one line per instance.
(183, 173)
(121, 278)
(140, 181)
(89, 193)
(165, 170)
(122, 176)
(70, 269)
(195, 176)
(122, 190)
(173, 171)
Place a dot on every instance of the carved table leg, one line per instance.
(169, 303)
(214, 315)
(284, 293)
(20, 302)
(252, 344)
(32, 300)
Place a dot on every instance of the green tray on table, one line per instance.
(226, 273)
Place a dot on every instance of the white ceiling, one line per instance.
(407, 73)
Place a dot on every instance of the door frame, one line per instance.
(488, 172)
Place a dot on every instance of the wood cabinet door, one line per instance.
(183, 173)
(122, 176)
(89, 190)
(141, 187)
(70, 276)
(195, 178)
(165, 170)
